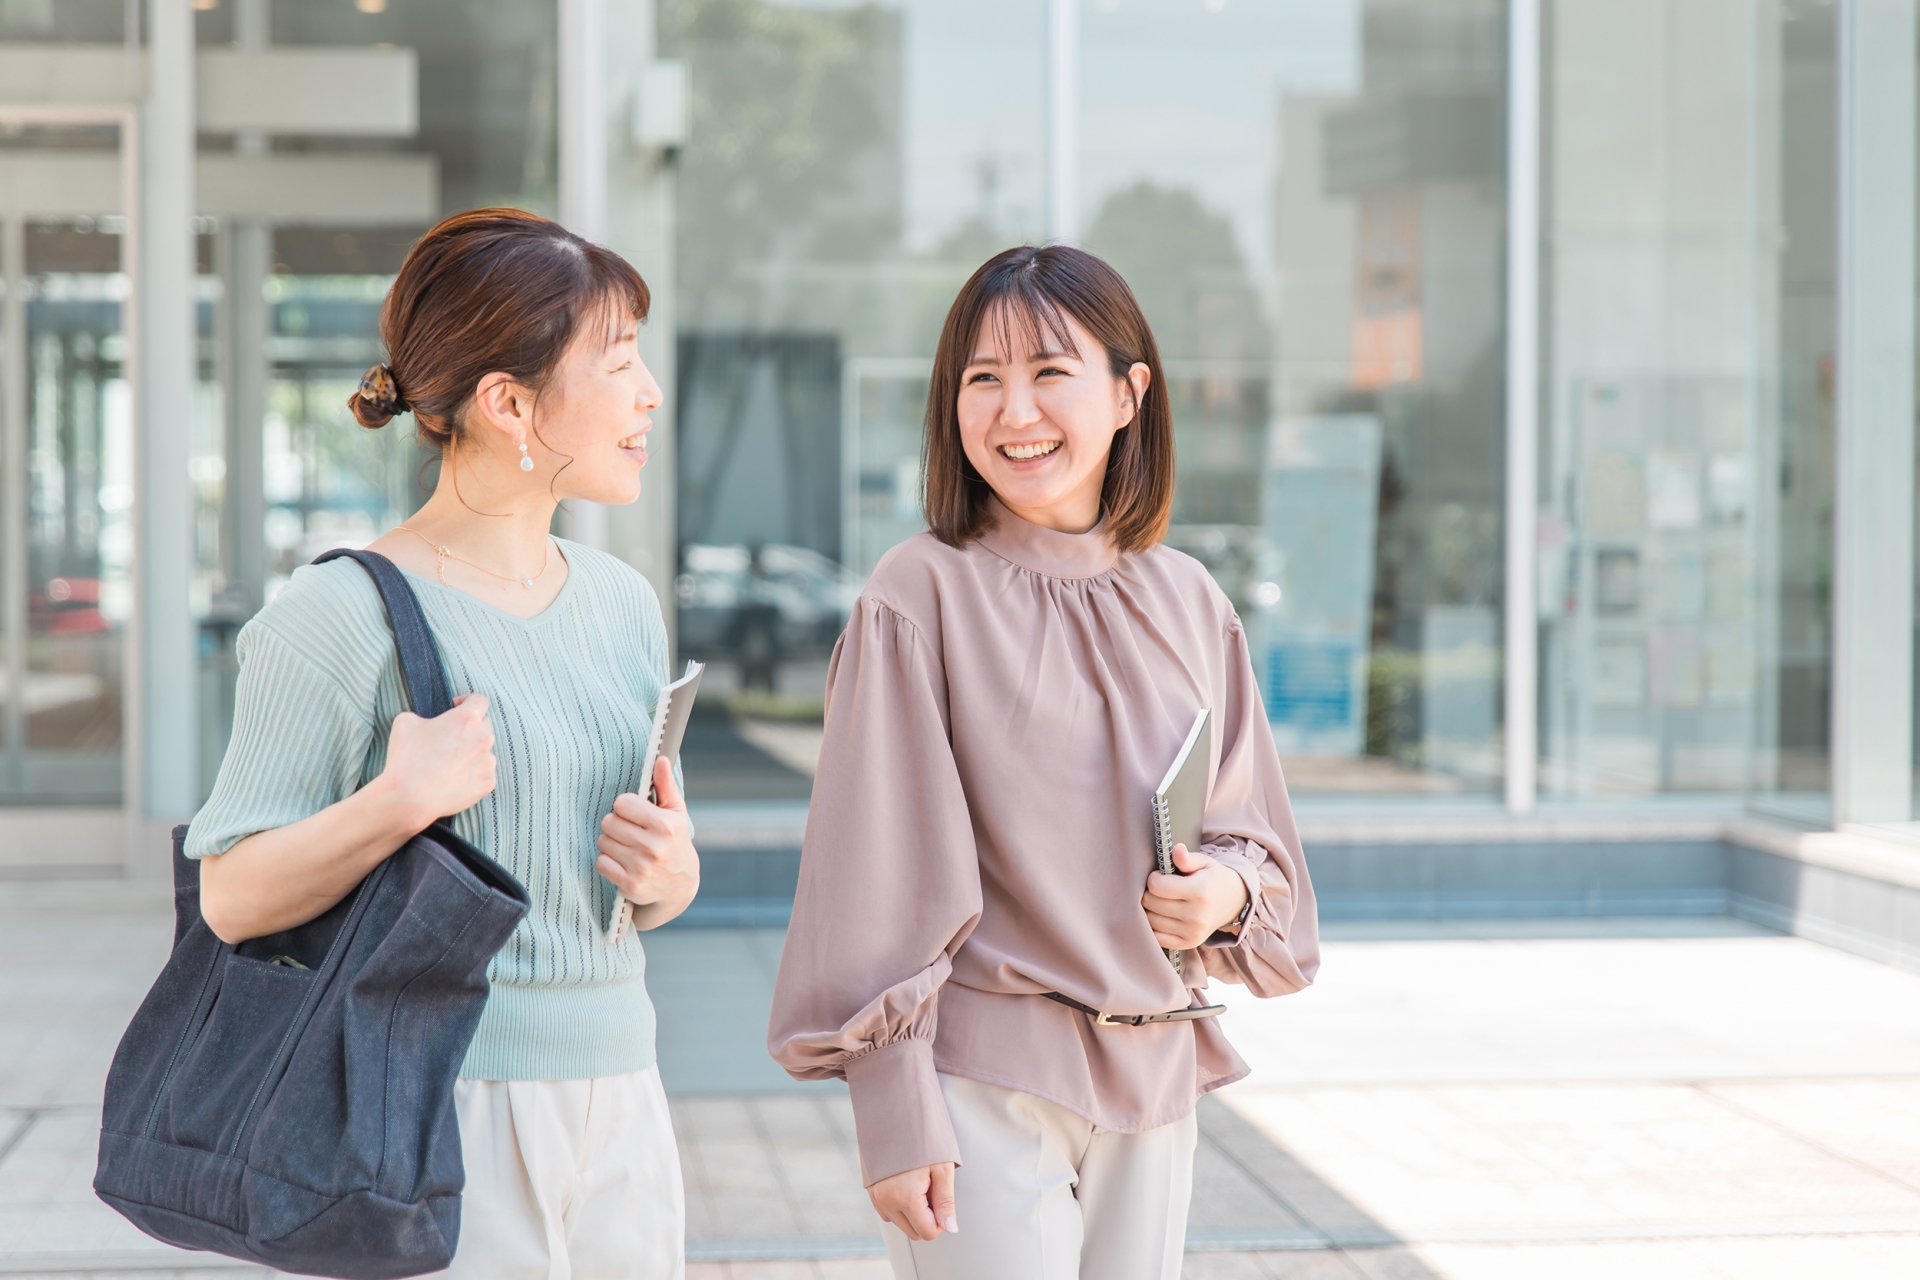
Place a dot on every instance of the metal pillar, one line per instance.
(246, 261)
(640, 226)
(1874, 417)
(583, 170)
(1524, 52)
(163, 711)
(13, 490)
(1063, 121)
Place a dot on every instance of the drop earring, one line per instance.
(526, 463)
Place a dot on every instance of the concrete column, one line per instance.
(1874, 407)
(162, 728)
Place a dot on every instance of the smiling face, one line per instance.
(597, 410)
(1037, 413)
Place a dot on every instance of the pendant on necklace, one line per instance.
(527, 583)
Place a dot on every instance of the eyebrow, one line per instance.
(1037, 355)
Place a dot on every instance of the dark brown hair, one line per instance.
(1027, 293)
(487, 291)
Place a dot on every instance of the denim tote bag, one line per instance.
(289, 1101)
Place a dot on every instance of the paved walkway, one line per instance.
(1466, 1102)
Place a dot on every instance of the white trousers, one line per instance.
(569, 1180)
(1043, 1194)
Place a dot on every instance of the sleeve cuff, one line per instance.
(899, 1114)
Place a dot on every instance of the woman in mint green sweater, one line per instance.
(513, 344)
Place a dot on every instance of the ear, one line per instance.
(503, 405)
(1133, 392)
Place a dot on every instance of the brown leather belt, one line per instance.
(1192, 1013)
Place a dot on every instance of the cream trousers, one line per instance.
(1043, 1194)
(569, 1180)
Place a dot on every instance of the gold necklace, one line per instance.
(443, 554)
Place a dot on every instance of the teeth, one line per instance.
(634, 442)
(1038, 449)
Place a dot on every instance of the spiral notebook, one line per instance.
(1180, 803)
(670, 715)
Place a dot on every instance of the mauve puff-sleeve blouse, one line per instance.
(998, 716)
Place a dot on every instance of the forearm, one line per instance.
(277, 879)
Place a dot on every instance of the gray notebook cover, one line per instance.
(1180, 802)
(670, 718)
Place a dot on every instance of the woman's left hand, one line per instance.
(1187, 909)
(647, 851)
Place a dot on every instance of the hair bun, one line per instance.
(378, 400)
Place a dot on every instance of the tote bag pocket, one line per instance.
(255, 1011)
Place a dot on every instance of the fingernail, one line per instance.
(948, 1224)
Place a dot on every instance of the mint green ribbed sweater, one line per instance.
(571, 693)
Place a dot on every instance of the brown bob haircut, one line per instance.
(490, 291)
(1027, 294)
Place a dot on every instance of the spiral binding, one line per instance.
(1163, 849)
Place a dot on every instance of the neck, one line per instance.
(490, 524)
(1078, 514)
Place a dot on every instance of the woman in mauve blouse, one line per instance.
(978, 881)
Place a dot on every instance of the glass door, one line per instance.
(66, 466)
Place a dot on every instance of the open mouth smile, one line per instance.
(1033, 449)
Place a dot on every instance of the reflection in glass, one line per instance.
(1308, 201)
(66, 455)
(1685, 535)
(847, 167)
(284, 472)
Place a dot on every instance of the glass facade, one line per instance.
(1307, 200)
(1311, 200)
(1685, 535)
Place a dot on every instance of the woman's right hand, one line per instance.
(436, 768)
(919, 1201)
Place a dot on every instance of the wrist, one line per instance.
(400, 816)
(1234, 923)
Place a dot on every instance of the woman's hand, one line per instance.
(439, 767)
(285, 876)
(647, 851)
(919, 1201)
(1187, 909)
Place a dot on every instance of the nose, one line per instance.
(649, 396)
(1020, 409)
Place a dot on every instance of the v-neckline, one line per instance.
(466, 597)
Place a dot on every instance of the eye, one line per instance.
(980, 377)
(1052, 368)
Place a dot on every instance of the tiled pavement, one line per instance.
(1470, 1102)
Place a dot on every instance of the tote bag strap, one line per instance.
(420, 667)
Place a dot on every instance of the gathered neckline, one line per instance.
(1048, 552)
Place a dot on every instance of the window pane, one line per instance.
(290, 474)
(1685, 534)
(66, 455)
(847, 168)
(1308, 199)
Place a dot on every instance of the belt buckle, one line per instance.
(1105, 1020)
